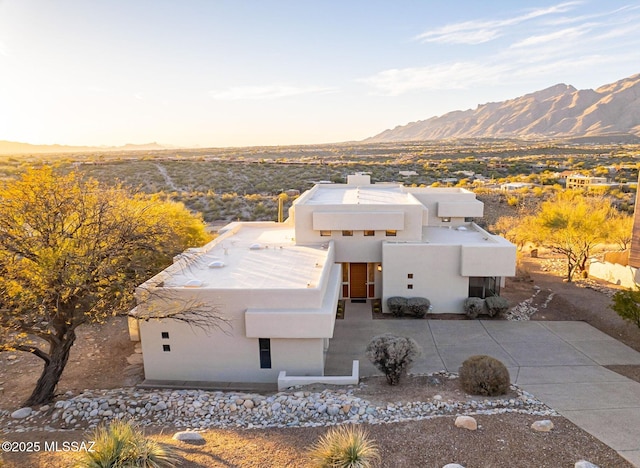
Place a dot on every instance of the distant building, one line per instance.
(578, 181)
(511, 186)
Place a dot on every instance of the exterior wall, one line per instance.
(468, 209)
(436, 275)
(634, 251)
(465, 203)
(358, 220)
(356, 248)
(225, 357)
(497, 258)
(297, 323)
(627, 276)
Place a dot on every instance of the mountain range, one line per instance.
(12, 147)
(560, 111)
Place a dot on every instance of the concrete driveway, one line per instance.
(558, 362)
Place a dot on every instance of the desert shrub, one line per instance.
(473, 306)
(418, 306)
(392, 355)
(626, 303)
(345, 447)
(496, 305)
(484, 375)
(397, 305)
(121, 444)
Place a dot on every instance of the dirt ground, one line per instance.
(102, 357)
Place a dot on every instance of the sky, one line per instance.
(220, 73)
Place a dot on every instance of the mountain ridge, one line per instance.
(14, 147)
(559, 111)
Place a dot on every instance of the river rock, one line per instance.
(188, 436)
(21, 413)
(544, 425)
(466, 422)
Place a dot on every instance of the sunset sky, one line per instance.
(243, 73)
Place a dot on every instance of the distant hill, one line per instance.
(611, 112)
(12, 147)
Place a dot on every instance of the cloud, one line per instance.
(238, 93)
(537, 51)
(563, 35)
(481, 31)
(457, 75)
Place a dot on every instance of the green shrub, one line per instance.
(397, 305)
(121, 444)
(626, 304)
(418, 306)
(473, 306)
(345, 447)
(484, 375)
(496, 305)
(392, 355)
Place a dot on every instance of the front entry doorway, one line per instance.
(358, 280)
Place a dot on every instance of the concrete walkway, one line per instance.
(558, 362)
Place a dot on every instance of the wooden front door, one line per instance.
(358, 280)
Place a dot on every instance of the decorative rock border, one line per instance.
(199, 409)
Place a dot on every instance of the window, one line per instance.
(325, 233)
(390, 233)
(165, 335)
(409, 286)
(484, 286)
(410, 275)
(369, 233)
(347, 233)
(265, 353)
(166, 348)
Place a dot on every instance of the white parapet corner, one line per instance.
(286, 381)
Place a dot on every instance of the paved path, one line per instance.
(558, 362)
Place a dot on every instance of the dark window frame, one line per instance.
(264, 347)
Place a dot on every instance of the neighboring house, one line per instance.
(511, 186)
(278, 284)
(577, 181)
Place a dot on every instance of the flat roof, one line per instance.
(359, 195)
(261, 256)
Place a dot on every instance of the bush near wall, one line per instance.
(415, 306)
(418, 306)
(496, 305)
(474, 306)
(397, 305)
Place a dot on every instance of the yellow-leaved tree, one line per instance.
(72, 252)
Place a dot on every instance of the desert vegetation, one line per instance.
(71, 252)
(392, 355)
(226, 184)
(484, 375)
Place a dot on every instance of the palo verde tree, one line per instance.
(572, 224)
(71, 253)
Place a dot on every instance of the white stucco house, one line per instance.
(277, 284)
